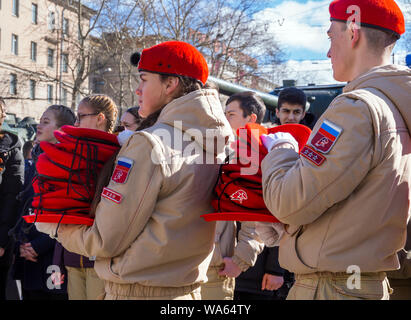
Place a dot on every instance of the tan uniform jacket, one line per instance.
(155, 235)
(353, 208)
(243, 251)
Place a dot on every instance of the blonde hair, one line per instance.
(103, 104)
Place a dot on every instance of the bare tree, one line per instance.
(82, 49)
(237, 47)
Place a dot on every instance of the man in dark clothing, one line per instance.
(11, 183)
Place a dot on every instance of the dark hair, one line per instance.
(27, 146)
(186, 85)
(250, 103)
(377, 38)
(292, 95)
(134, 112)
(64, 115)
(103, 104)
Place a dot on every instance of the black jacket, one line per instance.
(34, 275)
(267, 262)
(11, 183)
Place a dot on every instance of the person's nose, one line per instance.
(291, 117)
(138, 90)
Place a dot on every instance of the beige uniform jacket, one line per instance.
(155, 235)
(353, 208)
(243, 251)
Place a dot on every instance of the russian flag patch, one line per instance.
(326, 137)
(122, 170)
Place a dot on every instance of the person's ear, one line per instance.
(101, 118)
(277, 112)
(253, 118)
(354, 32)
(172, 85)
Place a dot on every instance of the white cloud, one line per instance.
(310, 71)
(299, 25)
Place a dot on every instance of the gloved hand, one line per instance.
(269, 232)
(47, 228)
(274, 139)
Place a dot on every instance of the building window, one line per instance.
(65, 26)
(32, 84)
(50, 93)
(33, 52)
(13, 84)
(51, 20)
(14, 44)
(50, 57)
(65, 62)
(34, 13)
(64, 97)
(15, 8)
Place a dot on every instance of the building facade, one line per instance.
(38, 53)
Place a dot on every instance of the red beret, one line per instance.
(175, 58)
(380, 14)
(239, 196)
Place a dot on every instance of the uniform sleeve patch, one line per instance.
(312, 155)
(122, 170)
(111, 195)
(326, 136)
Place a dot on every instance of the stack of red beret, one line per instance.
(238, 194)
(67, 174)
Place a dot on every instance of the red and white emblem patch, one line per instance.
(239, 195)
(122, 170)
(111, 195)
(312, 155)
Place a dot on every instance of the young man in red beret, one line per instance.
(346, 197)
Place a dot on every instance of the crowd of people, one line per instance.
(343, 201)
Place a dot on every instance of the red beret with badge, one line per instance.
(379, 14)
(238, 194)
(172, 58)
(67, 173)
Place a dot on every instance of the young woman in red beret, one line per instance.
(148, 237)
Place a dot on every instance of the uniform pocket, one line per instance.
(368, 289)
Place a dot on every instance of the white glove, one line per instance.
(275, 139)
(47, 228)
(270, 233)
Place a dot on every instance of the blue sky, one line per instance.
(300, 27)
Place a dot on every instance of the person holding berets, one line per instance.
(346, 197)
(148, 237)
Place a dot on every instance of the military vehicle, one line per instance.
(318, 97)
(25, 129)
